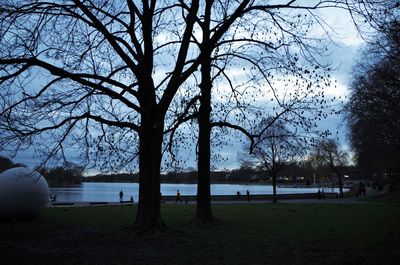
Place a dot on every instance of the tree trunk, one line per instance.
(204, 212)
(148, 217)
(340, 181)
(274, 196)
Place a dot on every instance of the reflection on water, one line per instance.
(100, 191)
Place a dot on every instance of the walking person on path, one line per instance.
(178, 196)
(248, 195)
(121, 196)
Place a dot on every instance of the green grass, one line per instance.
(244, 234)
(392, 196)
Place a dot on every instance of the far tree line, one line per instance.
(302, 173)
(68, 174)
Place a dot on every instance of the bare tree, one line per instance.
(280, 68)
(328, 153)
(98, 76)
(273, 47)
(276, 148)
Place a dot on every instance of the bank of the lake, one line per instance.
(109, 192)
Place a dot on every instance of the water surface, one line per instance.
(109, 192)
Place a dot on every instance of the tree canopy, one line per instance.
(374, 105)
(276, 148)
(6, 163)
(329, 153)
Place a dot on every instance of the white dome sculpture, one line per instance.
(23, 193)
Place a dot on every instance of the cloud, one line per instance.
(342, 58)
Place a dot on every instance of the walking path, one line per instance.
(346, 200)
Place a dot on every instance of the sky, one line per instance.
(342, 56)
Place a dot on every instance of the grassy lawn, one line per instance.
(244, 234)
(390, 197)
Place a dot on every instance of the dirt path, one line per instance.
(346, 200)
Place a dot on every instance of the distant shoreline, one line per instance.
(261, 183)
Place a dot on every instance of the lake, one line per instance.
(109, 192)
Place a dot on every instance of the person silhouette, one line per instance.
(178, 196)
(248, 195)
(238, 195)
(121, 196)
